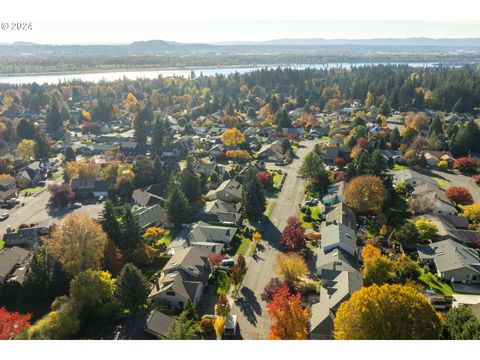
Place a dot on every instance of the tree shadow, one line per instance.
(249, 305)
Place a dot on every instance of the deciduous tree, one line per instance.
(459, 195)
(61, 195)
(388, 312)
(232, 137)
(293, 235)
(291, 267)
(12, 323)
(365, 194)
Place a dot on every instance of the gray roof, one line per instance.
(337, 259)
(232, 187)
(341, 214)
(336, 288)
(158, 323)
(13, 262)
(150, 215)
(450, 255)
(336, 235)
(221, 211)
(407, 174)
(194, 259)
(203, 232)
(447, 229)
(24, 237)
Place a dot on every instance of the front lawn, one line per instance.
(149, 271)
(398, 167)
(315, 217)
(242, 249)
(431, 281)
(238, 246)
(277, 176)
(222, 281)
(2, 244)
(31, 191)
(443, 183)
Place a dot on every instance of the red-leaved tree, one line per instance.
(466, 164)
(60, 195)
(265, 178)
(339, 162)
(272, 287)
(459, 195)
(293, 235)
(216, 259)
(289, 318)
(12, 323)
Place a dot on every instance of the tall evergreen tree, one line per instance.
(25, 130)
(158, 174)
(37, 281)
(253, 200)
(177, 207)
(69, 154)
(395, 139)
(190, 183)
(54, 119)
(110, 223)
(466, 140)
(42, 148)
(132, 288)
(131, 231)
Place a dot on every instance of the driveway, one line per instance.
(250, 309)
(457, 179)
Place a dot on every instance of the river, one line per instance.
(151, 74)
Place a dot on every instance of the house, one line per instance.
(216, 150)
(14, 264)
(338, 236)
(30, 175)
(203, 232)
(89, 187)
(228, 191)
(411, 177)
(144, 198)
(158, 324)
(454, 228)
(25, 237)
(8, 188)
(340, 213)
(453, 261)
(183, 278)
(271, 152)
(337, 287)
(149, 216)
(434, 157)
(332, 152)
(221, 211)
(180, 148)
(433, 200)
(391, 155)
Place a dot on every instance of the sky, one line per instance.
(207, 21)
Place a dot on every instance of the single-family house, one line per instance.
(25, 237)
(183, 278)
(434, 157)
(221, 211)
(432, 199)
(89, 187)
(271, 152)
(158, 324)
(149, 216)
(8, 188)
(14, 264)
(453, 227)
(340, 213)
(453, 261)
(228, 191)
(30, 175)
(411, 177)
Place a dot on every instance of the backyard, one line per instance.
(435, 284)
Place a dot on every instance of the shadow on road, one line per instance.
(249, 305)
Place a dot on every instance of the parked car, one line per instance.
(76, 205)
(311, 202)
(4, 216)
(226, 264)
(101, 198)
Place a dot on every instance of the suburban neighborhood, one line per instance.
(241, 207)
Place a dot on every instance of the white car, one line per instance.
(4, 216)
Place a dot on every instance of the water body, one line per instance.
(152, 74)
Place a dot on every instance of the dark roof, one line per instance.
(149, 216)
(12, 262)
(159, 323)
(24, 237)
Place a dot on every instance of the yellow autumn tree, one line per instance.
(219, 326)
(78, 242)
(82, 169)
(369, 252)
(232, 137)
(387, 312)
(26, 149)
(370, 100)
(291, 266)
(472, 212)
(365, 194)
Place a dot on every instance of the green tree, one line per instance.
(384, 108)
(312, 166)
(144, 173)
(407, 235)
(183, 328)
(190, 183)
(131, 232)
(177, 207)
(395, 139)
(132, 288)
(253, 197)
(25, 130)
(466, 140)
(54, 119)
(69, 154)
(462, 324)
(144, 117)
(42, 148)
(37, 281)
(110, 223)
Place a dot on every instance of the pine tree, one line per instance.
(132, 288)
(459, 106)
(110, 223)
(25, 130)
(177, 206)
(158, 137)
(69, 154)
(42, 148)
(253, 197)
(157, 169)
(131, 232)
(466, 140)
(395, 139)
(190, 183)
(37, 282)
(54, 119)
(385, 108)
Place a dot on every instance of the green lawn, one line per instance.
(31, 191)
(276, 178)
(242, 249)
(2, 244)
(435, 284)
(166, 239)
(270, 206)
(398, 167)
(316, 211)
(150, 270)
(443, 183)
(326, 138)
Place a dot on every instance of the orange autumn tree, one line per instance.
(365, 194)
(369, 252)
(232, 137)
(289, 318)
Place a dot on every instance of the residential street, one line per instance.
(36, 211)
(251, 310)
(458, 179)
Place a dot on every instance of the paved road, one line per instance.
(457, 179)
(250, 309)
(36, 211)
